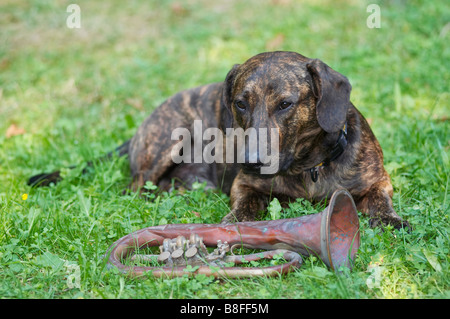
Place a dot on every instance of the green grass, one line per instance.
(79, 93)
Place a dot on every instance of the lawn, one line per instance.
(71, 95)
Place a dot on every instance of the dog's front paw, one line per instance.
(230, 218)
(395, 221)
(236, 216)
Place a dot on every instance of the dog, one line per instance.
(324, 142)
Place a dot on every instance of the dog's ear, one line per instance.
(332, 91)
(226, 114)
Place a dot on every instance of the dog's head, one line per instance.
(300, 97)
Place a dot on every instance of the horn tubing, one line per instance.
(332, 234)
(293, 261)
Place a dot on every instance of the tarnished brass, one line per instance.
(332, 235)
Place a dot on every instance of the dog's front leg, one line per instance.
(246, 201)
(377, 203)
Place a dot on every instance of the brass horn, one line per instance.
(332, 235)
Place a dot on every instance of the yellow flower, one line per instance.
(24, 196)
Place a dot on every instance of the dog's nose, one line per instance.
(252, 161)
(252, 166)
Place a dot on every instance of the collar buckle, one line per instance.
(335, 152)
(315, 172)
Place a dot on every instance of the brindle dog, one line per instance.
(324, 141)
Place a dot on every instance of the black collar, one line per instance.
(335, 152)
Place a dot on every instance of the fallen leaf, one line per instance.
(443, 118)
(178, 9)
(281, 2)
(136, 103)
(14, 130)
(275, 42)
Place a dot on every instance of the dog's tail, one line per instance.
(45, 179)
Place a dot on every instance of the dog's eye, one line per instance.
(284, 105)
(241, 105)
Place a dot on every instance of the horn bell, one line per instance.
(340, 237)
